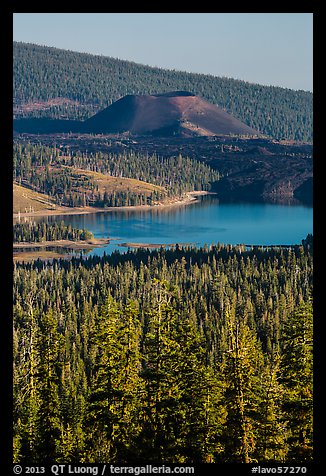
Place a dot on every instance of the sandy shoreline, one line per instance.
(29, 251)
(190, 197)
(73, 245)
(152, 245)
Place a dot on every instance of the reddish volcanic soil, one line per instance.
(176, 113)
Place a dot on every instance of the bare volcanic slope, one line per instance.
(175, 113)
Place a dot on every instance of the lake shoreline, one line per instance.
(73, 245)
(30, 251)
(190, 197)
(129, 244)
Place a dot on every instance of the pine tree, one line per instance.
(130, 362)
(173, 367)
(201, 400)
(182, 409)
(47, 445)
(161, 391)
(110, 418)
(243, 363)
(25, 390)
(297, 378)
(272, 429)
(72, 410)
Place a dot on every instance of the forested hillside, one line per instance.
(97, 179)
(49, 82)
(185, 355)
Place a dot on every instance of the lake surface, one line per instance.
(207, 221)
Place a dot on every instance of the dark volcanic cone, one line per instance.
(175, 113)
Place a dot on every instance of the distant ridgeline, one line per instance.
(60, 84)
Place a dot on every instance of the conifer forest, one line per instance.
(180, 356)
(90, 82)
(177, 348)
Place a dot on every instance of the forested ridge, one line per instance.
(184, 355)
(77, 85)
(180, 355)
(59, 173)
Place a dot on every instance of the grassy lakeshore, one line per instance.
(29, 251)
(74, 245)
(152, 245)
(189, 198)
(44, 255)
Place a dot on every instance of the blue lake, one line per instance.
(207, 221)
